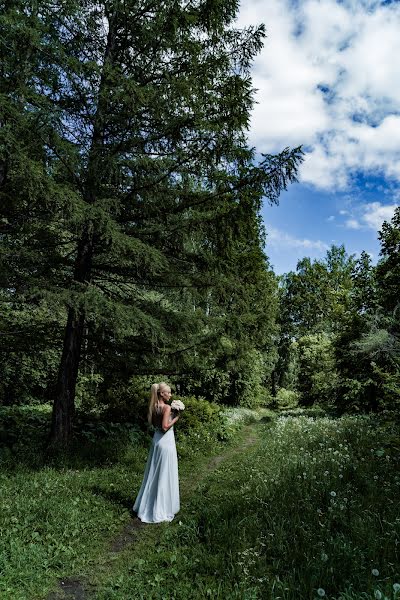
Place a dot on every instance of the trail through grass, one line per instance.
(300, 508)
(308, 511)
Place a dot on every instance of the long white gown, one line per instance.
(158, 498)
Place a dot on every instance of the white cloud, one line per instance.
(352, 224)
(376, 213)
(328, 78)
(369, 216)
(280, 239)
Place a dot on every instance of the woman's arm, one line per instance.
(166, 423)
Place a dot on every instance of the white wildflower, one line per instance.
(378, 595)
(321, 592)
(333, 494)
(375, 572)
(396, 588)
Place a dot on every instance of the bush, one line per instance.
(318, 376)
(198, 413)
(287, 398)
(127, 401)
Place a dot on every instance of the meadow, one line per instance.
(294, 506)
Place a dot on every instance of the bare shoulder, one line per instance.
(167, 408)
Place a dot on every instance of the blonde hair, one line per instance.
(156, 390)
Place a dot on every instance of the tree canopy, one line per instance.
(130, 197)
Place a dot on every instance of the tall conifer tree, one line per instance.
(125, 166)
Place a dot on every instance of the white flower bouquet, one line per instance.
(177, 405)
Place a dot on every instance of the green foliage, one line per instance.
(316, 298)
(388, 268)
(126, 402)
(87, 387)
(198, 413)
(28, 351)
(322, 479)
(317, 369)
(131, 197)
(339, 329)
(287, 398)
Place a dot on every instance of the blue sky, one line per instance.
(328, 78)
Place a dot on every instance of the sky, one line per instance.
(328, 78)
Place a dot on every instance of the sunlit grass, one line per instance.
(308, 511)
(311, 511)
(59, 514)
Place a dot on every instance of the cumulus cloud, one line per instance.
(370, 216)
(376, 213)
(328, 78)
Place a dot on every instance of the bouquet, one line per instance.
(177, 405)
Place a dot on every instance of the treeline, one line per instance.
(340, 322)
(131, 241)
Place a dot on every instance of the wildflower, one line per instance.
(375, 572)
(378, 595)
(333, 494)
(396, 587)
(321, 592)
(324, 557)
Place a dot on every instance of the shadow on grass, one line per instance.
(114, 496)
(95, 443)
(266, 420)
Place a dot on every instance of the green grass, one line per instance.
(59, 514)
(309, 508)
(309, 511)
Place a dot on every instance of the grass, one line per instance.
(309, 510)
(59, 514)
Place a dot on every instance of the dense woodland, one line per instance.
(132, 247)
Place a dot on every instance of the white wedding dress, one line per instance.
(158, 498)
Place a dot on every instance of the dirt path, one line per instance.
(75, 588)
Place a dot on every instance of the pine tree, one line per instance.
(126, 156)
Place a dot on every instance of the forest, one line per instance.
(132, 250)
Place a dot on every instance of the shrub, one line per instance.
(287, 398)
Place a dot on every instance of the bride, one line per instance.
(158, 498)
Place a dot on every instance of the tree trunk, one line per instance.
(64, 405)
(64, 401)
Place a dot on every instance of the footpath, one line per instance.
(79, 588)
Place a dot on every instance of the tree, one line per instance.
(388, 268)
(368, 349)
(130, 120)
(317, 377)
(314, 305)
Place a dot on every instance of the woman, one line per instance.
(158, 498)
